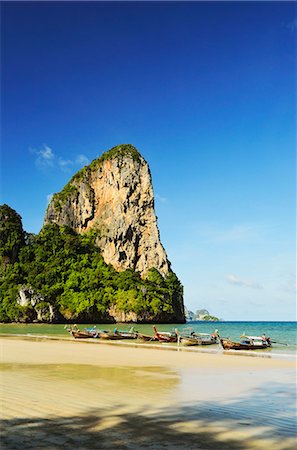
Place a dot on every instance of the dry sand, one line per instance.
(58, 394)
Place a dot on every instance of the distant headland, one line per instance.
(200, 315)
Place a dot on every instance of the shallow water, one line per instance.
(281, 332)
(155, 380)
(50, 406)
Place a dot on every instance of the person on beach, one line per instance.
(216, 335)
(266, 340)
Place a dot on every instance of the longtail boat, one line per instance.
(146, 337)
(94, 332)
(85, 334)
(206, 339)
(110, 336)
(248, 343)
(130, 334)
(187, 340)
(80, 335)
(188, 337)
(164, 336)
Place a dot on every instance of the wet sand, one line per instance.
(74, 395)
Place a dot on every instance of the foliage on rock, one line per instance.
(98, 257)
(69, 273)
(12, 236)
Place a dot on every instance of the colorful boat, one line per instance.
(164, 336)
(187, 341)
(192, 338)
(145, 337)
(206, 339)
(247, 343)
(87, 333)
(124, 334)
(110, 336)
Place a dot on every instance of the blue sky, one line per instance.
(205, 91)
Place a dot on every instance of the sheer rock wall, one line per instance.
(114, 196)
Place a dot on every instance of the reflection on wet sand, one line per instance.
(204, 404)
(125, 377)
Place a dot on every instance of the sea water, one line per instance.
(282, 334)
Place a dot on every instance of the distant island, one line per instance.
(201, 314)
(98, 257)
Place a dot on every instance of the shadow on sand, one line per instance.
(99, 430)
(205, 425)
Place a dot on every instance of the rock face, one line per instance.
(38, 310)
(113, 196)
(190, 315)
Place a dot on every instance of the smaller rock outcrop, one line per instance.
(200, 315)
(190, 315)
(36, 309)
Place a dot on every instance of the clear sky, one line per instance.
(207, 94)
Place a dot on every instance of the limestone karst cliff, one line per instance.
(98, 257)
(114, 196)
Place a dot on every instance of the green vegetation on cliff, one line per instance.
(120, 151)
(12, 236)
(70, 276)
(210, 318)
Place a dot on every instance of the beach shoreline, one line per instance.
(68, 393)
(267, 353)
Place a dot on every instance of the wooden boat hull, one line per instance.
(126, 335)
(196, 338)
(188, 341)
(110, 337)
(206, 342)
(230, 345)
(145, 337)
(164, 337)
(161, 338)
(81, 335)
(78, 334)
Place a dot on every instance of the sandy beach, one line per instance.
(74, 395)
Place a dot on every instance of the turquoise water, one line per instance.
(280, 332)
